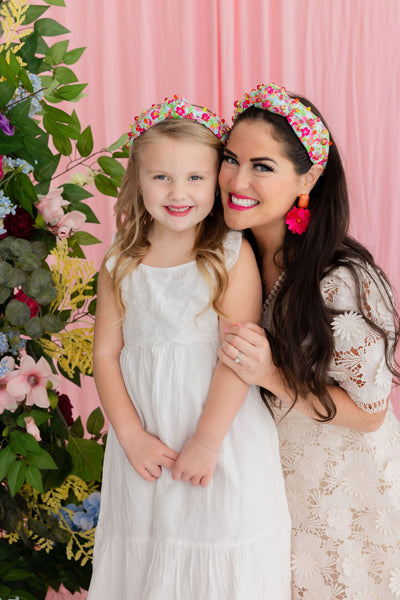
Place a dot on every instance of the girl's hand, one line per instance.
(246, 351)
(196, 463)
(147, 454)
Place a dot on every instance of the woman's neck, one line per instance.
(269, 242)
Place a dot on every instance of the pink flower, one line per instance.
(32, 305)
(69, 223)
(7, 401)
(180, 110)
(205, 116)
(32, 428)
(298, 219)
(50, 206)
(31, 381)
(305, 131)
(155, 114)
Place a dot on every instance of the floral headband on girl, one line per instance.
(308, 127)
(177, 108)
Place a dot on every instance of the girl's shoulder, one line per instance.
(232, 244)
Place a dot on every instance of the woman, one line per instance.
(326, 362)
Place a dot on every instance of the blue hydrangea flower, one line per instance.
(38, 92)
(16, 163)
(5, 366)
(17, 344)
(6, 207)
(3, 343)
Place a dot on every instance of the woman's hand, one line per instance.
(147, 454)
(246, 351)
(196, 463)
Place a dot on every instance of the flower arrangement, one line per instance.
(50, 465)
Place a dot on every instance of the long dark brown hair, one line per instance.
(303, 344)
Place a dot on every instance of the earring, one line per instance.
(298, 218)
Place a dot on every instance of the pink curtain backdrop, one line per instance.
(344, 55)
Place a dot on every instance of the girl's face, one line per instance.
(258, 182)
(178, 180)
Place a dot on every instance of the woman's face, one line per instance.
(258, 182)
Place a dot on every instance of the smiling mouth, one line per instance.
(178, 211)
(241, 202)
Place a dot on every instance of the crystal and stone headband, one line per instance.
(177, 108)
(308, 127)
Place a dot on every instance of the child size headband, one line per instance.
(177, 108)
(308, 127)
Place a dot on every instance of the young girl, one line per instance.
(193, 504)
(332, 331)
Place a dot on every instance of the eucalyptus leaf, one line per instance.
(52, 323)
(17, 313)
(33, 328)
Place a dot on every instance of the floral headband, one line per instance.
(308, 127)
(177, 108)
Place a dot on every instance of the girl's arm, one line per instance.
(146, 453)
(257, 368)
(196, 462)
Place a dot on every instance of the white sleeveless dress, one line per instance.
(343, 487)
(165, 540)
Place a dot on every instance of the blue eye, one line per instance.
(160, 177)
(229, 159)
(263, 168)
(195, 177)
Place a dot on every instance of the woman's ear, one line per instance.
(312, 176)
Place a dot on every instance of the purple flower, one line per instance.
(5, 125)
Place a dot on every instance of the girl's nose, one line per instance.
(177, 192)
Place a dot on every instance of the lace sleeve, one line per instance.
(358, 363)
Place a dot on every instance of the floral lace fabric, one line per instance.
(343, 487)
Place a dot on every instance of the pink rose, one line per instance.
(69, 223)
(50, 207)
(32, 428)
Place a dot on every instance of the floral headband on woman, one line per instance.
(308, 127)
(177, 108)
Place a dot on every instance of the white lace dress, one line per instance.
(166, 540)
(343, 487)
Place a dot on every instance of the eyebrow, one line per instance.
(252, 160)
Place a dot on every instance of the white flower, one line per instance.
(347, 325)
(383, 376)
(308, 560)
(339, 522)
(365, 594)
(394, 582)
(78, 179)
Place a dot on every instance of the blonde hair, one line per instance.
(131, 242)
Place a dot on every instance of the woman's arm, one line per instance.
(257, 368)
(146, 453)
(227, 392)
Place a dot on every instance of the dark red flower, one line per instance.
(33, 306)
(19, 225)
(65, 406)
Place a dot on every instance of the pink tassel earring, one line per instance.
(299, 217)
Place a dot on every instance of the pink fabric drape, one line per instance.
(344, 55)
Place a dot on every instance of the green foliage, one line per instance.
(58, 464)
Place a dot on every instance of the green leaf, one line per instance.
(10, 144)
(69, 92)
(65, 75)
(34, 12)
(85, 142)
(42, 460)
(86, 210)
(58, 115)
(85, 239)
(75, 122)
(16, 476)
(73, 56)
(6, 92)
(26, 82)
(23, 442)
(55, 2)
(63, 145)
(87, 458)
(7, 457)
(77, 428)
(46, 171)
(74, 193)
(7, 72)
(105, 186)
(95, 422)
(52, 323)
(34, 478)
(14, 64)
(17, 313)
(111, 166)
(49, 27)
(119, 143)
(16, 574)
(37, 415)
(57, 52)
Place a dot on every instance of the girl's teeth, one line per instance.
(174, 209)
(243, 202)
